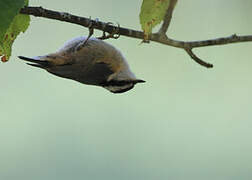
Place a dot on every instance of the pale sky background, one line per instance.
(185, 123)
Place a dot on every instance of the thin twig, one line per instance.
(168, 17)
(197, 59)
(157, 37)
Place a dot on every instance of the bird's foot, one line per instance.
(114, 34)
(91, 30)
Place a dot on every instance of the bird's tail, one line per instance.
(36, 62)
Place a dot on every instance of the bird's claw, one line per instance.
(114, 34)
(91, 30)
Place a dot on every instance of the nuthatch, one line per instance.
(89, 61)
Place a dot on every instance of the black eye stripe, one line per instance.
(116, 83)
(121, 82)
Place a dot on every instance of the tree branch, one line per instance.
(157, 37)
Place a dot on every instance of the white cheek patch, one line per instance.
(119, 89)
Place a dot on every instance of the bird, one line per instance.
(90, 61)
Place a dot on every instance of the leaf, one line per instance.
(11, 24)
(152, 13)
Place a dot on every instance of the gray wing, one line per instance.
(96, 74)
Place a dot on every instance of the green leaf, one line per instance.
(152, 13)
(11, 24)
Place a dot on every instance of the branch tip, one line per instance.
(197, 59)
